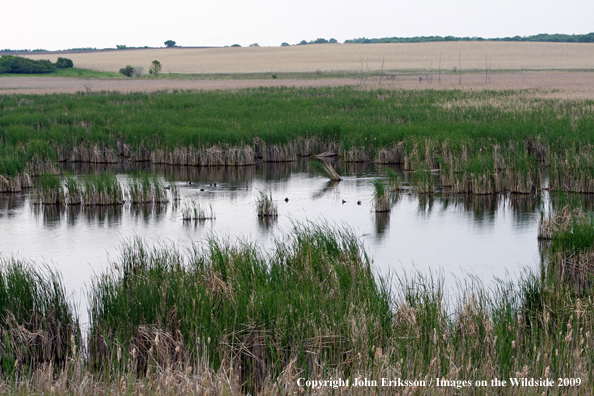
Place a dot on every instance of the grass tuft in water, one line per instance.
(195, 210)
(381, 195)
(326, 169)
(265, 206)
(102, 189)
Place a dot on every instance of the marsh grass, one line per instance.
(265, 206)
(195, 210)
(102, 189)
(75, 190)
(50, 190)
(326, 169)
(233, 318)
(381, 195)
(482, 142)
(39, 326)
(145, 188)
(291, 306)
(394, 180)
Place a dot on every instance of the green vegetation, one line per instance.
(103, 189)
(38, 325)
(169, 43)
(463, 142)
(265, 206)
(195, 210)
(145, 188)
(327, 170)
(64, 63)
(381, 195)
(317, 41)
(554, 38)
(155, 68)
(127, 71)
(231, 318)
(19, 65)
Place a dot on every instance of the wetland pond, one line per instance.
(457, 236)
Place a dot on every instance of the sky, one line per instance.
(63, 24)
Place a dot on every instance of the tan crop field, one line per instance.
(563, 70)
(345, 57)
(551, 84)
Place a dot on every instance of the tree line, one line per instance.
(20, 65)
(544, 37)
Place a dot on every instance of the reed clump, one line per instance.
(381, 195)
(50, 191)
(195, 210)
(146, 188)
(326, 169)
(74, 190)
(39, 327)
(265, 206)
(103, 189)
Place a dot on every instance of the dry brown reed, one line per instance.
(561, 220)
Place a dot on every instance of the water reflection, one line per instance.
(267, 223)
(103, 216)
(329, 188)
(382, 224)
(10, 203)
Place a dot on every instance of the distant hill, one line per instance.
(551, 38)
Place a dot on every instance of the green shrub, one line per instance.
(64, 63)
(127, 71)
(17, 64)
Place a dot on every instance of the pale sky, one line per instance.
(62, 24)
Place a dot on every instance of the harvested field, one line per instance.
(549, 84)
(344, 57)
(49, 85)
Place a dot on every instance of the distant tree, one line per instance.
(320, 41)
(127, 71)
(170, 43)
(138, 70)
(155, 68)
(285, 44)
(122, 46)
(332, 41)
(254, 45)
(302, 42)
(64, 63)
(236, 45)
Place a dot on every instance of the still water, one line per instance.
(487, 237)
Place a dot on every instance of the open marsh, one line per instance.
(455, 181)
(486, 236)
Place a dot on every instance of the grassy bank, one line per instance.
(479, 142)
(221, 317)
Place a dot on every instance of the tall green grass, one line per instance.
(496, 139)
(231, 317)
(38, 325)
(254, 311)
